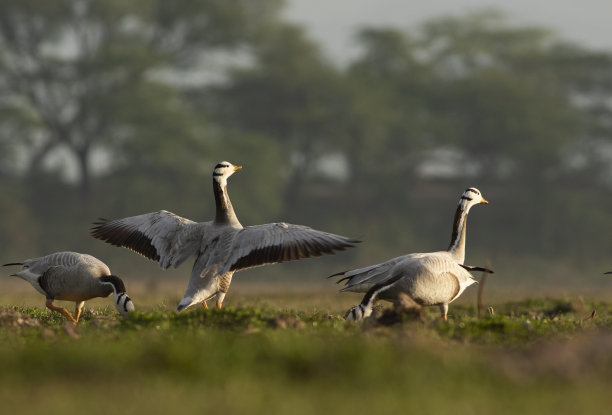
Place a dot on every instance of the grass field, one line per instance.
(293, 353)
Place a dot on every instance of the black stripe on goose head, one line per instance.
(225, 168)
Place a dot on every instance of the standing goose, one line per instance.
(221, 246)
(435, 278)
(74, 277)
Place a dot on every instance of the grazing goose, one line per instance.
(221, 246)
(74, 277)
(435, 278)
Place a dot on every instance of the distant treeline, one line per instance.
(119, 108)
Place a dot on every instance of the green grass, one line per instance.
(529, 357)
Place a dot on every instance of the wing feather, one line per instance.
(160, 236)
(279, 242)
(50, 281)
(365, 278)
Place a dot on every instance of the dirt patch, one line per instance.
(13, 318)
(404, 309)
(286, 322)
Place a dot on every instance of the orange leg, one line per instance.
(205, 305)
(220, 297)
(78, 308)
(61, 310)
(444, 309)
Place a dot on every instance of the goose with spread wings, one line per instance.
(220, 247)
(435, 278)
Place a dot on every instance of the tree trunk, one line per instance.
(83, 157)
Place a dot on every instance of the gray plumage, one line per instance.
(435, 278)
(221, 246)
(72, 276)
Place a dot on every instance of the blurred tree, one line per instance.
(508, 101)
(89, 83)
(507, 126)
(73, 72)
(390, 119)
(140, 85)
(292, 95)
(514, 95)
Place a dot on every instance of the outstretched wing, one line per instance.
(278, 242)
(161, 236)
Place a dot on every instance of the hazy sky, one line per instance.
(333, 22)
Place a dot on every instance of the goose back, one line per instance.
(71, 276)
(429, 279)
(72, 284)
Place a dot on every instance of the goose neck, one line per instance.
(103, 290)
(224, 210)
(457, 243)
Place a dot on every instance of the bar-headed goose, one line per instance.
(435, 278)
(74, 277)
(221, 246)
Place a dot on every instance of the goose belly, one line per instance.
(204, 288)
(79, 292)
(76, 296)
(426, 290)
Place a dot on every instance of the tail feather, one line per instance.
(343, 279)
(346, 277)
(481, 269)
(337, 273)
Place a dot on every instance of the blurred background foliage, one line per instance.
(112, 109)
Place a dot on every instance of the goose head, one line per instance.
(123, 303)
(471, 197)
(223, 170)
